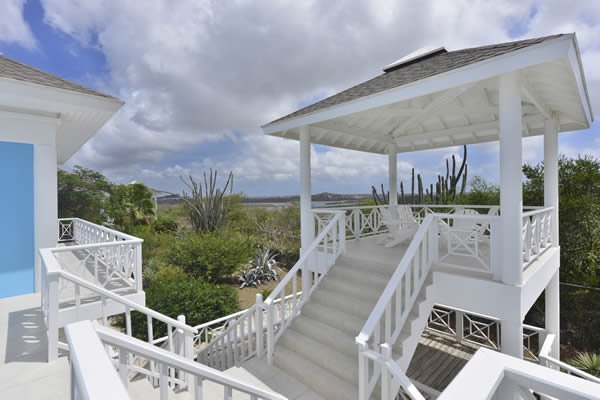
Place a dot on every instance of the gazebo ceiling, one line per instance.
(449, 98)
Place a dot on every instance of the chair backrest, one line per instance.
(388, 218)
(466, 224)
(405, 213)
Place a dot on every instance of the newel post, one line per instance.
(259, 325)
(52, 316)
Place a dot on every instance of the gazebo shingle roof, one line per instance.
(12, 69)
(418, 70)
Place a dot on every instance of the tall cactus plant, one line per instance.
(206, 204)
(446, 187)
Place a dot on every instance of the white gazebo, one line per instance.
(440, 98)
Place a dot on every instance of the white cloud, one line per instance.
(13, 28)
(198, 72)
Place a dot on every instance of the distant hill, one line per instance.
(321, 197)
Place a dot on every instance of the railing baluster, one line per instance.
(228, 393)
(163, 381)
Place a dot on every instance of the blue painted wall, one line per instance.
(16, 219)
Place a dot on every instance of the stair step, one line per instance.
(343, 321)
(367, 264)
(327, 334)
(319, 379)
(359, 276)
(339, 301)
(367, 292)
(338, 363)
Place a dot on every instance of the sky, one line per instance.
(199, 78)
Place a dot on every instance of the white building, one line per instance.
(416, 301)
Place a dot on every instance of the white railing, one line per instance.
(548, 361)
(493, 375)
(537, 233)
(306, 275)
(114, 258)
(233, 339)
(480, 330)
(395, 303)
(363, 221)
(90, 301)
(391, 375)
(95, 378)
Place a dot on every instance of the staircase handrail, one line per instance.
(54, 269)
(166, 360)
(306, 254)
(547, 360)
(387, 296)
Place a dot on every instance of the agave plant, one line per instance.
(262, 270)
(588, 362)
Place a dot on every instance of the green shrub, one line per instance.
(211, 256)
(155, 245)
(172, 292)
(588, 362)
(165, 225)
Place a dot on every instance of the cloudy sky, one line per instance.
(200, 77)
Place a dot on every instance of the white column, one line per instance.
(552, 292)
(551, 173)
(511, 204)
(393, 174)
(552, 317)
(511, 191)
(307, 224)
(45, 201)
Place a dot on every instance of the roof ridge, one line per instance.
(512, 42)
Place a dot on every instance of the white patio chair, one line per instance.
(401, 224)
(465, 234)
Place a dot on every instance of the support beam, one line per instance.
(511, 191)
(482, 126)
(552, 292)
(551, 172)
(535, 99)
(307, 226)
(552, 312)
(434, 105)
(393, 174)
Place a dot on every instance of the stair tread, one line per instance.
(336, 362)
(343, 321)
(326, 333)
(319, 379)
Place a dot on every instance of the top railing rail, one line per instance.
(94, 334)
(547, 360)
(98, 232)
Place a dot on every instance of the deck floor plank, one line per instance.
(438, 359)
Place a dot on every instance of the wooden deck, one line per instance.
(437, 360)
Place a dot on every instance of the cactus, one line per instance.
(445, 187)
(207, 205)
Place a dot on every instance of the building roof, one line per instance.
(415, 70)
(12, 69)
(435, 99)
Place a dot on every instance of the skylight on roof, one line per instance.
(418, 54)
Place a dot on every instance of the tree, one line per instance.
(130, 205)
(579, 227)
(82, 194)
